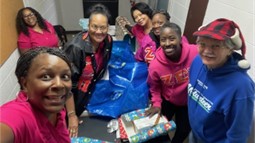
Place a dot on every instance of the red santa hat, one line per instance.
(223, 29)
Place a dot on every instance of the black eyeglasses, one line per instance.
(29, 15)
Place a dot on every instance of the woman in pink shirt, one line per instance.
(169, 76)
(34, 31)
(37, 115)
(141, 14)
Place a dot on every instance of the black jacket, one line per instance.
(77, 50)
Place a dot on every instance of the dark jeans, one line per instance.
(181, 120)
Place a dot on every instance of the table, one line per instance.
(96, 127)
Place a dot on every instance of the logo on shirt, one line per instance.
(178, 77)
(149, 54)
(198, 97)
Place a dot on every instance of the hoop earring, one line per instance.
(27, 99)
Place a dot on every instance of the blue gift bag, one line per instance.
(125, 89)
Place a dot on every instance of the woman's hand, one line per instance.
(152, 111)
(73, 123)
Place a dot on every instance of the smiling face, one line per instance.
(140, 18)
(214, 53)
(158, 21)
(98, 28)
(29, 18)
(171, 43)
(48, 83)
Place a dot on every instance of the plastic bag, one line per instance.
(125, 89)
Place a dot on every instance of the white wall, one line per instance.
(9, 85)
(47, 8)
(178, 9)
(124, 10)
(71, 11)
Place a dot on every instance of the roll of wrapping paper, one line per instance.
(158, 130)
(86, 140)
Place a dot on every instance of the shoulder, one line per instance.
(48, 23)
(15, 114)
(137, 29)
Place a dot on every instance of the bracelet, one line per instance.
(71, 113)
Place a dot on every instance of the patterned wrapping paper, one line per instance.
(145, 135)
(87, 140)
(137, 114)
(156, 131)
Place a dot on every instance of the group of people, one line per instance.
(193, 83)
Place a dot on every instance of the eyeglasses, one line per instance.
(213, 47)
(29, 15)
(101, 28)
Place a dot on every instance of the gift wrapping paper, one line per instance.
(86, 140)
(160, 129)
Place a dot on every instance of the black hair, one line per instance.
(100, 9)
(163, 12)
(25, 60)
(143, 8)
(173, 26)
(21, 26)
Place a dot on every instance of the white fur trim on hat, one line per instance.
(236, 39)
(244, 64)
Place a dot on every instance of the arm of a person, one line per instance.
(6, 134)
(72, 118)
(24, 43)
(239, 120)
(139, 54)
(154, 86)
(129, 28)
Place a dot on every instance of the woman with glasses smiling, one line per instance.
(89, 52)
(34, 30)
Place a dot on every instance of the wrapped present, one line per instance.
(86, 140)
(128, 126)
(148, 122)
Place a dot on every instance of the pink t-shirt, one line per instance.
(30, 125)
(36, 39)
(138, 32)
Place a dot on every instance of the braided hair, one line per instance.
(163, 12)
(25, 60)
(21, 25)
